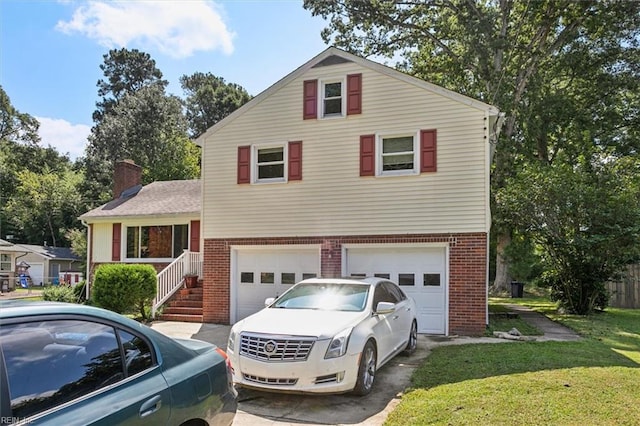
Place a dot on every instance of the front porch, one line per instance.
(180, 302)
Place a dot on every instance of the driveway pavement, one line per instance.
(257, 408)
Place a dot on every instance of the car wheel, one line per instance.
(366, 370)
(412, 344)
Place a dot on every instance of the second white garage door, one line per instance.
(421, 272)
(259, 273)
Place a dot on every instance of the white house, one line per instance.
(346, 167)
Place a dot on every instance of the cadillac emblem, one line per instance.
(270, 347)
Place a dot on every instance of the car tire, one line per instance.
(412, 344)
(366, 370)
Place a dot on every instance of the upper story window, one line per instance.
(400, 154)
(332, 99)
(5, 262)
(270, 164)
(157, 242)
(397, 155)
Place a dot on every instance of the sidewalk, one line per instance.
(552, 330)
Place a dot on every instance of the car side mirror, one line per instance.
(268, 301)
(385, 308)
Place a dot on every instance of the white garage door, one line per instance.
(420, 271)
(262, 273)
(36, 271)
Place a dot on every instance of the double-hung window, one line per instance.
(397, 155)
(332, 98)
(5, 262)
(270, 163)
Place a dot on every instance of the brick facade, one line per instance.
(467, 274)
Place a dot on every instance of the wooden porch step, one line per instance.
(181, 317)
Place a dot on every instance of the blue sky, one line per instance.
(51, 50)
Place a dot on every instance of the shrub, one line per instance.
(59, 293)
(79, 291)
(123, 288)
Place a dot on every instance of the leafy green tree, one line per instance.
(587, 219)
(45, 205)
(125, 71)
(136, 120)
(14, 125)
(501, 52)
(209, 99)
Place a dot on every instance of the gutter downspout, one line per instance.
(87, 277)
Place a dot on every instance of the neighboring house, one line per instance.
(46, 264)
(152, 224)
(346, 167)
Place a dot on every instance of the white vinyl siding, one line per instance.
(332, 198)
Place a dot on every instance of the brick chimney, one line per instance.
(127, 174)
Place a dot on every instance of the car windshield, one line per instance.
(325, 296)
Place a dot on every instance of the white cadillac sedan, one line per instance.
(323, 335)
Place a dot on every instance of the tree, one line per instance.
(20, 152)
(45, 205)
(209, 99)
(587, 219)
(126, 71)
(147, 127)
(16, 126)
(494, 51)
(136, 120)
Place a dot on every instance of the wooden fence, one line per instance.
(626, 292)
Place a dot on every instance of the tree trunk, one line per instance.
(503, 279)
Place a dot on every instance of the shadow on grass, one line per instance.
(453, 364)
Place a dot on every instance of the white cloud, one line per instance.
(67, 138)
(175, 28)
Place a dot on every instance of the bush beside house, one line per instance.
(125, 288)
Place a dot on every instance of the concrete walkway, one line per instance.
(552, 330)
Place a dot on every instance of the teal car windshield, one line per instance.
(328, 297)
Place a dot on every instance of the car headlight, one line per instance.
(338, 345)
(231, 343)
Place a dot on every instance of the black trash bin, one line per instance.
(517, 289)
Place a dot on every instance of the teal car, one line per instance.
(67, 364)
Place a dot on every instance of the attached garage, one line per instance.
(259, 272)
(421, 271)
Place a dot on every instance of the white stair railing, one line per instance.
(171, 278)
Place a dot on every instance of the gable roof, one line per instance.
(333, 55)
(160, 198)
(51, 253)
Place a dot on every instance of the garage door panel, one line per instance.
(261, 274)
(420, 272)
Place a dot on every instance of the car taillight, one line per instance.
(227, 362)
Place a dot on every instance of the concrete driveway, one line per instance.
(258, 408)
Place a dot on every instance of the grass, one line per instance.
(593, 381)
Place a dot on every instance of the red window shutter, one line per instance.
(295, 160)
(354, 94)
(368, 155)
(115, 242)
(244, 164)
(310, 99)
(194, 243)
(428, 158)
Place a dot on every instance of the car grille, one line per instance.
(275, 349)
(269, 380)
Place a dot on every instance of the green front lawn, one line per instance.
(594, 381)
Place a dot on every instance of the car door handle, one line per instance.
(395, 317)
(151, 406)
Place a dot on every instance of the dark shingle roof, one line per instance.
(60, 253)
(157, 198)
